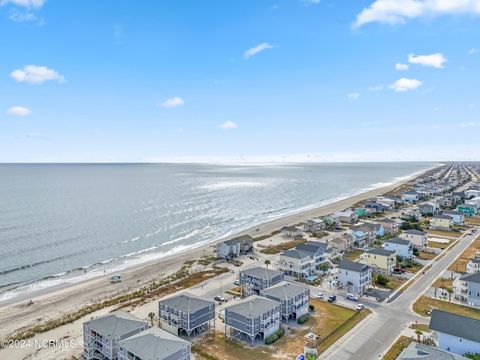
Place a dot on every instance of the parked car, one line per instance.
(360, 307)
(398, 271)
(352, 297)
(219, 298)
(236, 282)
(320, 296)
(332, 298)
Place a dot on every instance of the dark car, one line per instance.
(398, 271)
(332, 298)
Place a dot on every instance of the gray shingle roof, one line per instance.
(451, 212)
(472, 278)
(253, 307)
(116, 324)
(290, 229)
(284, 290)
(443, 217)
(261, 272)
(455, 325)
(381, 251)
(312, 246)
(353, 266)
(154, 344)
(398, 241)
(416, 351)
(186, 303)
(296, 254)
(386, 220)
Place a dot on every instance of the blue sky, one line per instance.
(293, 80)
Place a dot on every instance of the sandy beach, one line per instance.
(50, 303)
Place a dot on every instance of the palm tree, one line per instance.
(151, 316)
(267, 262)
(418, 333)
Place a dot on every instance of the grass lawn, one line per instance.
(424, 303)
(443, 283)
(421, 327)
(275, 249)
(352, 255)
(322, 322)
(473, 221)
(460, 264)
(438, 245)
(443, 233)
(426, 256)
(397, 348)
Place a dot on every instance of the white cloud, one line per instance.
(31, 4)
(473, 51)
(405, 84)
(376, 88)
(353, 96)
(19, 111)
(34, 74)
(401, 67)
(470, 124)
(255, 50)
(227, 125)
(399, 11)
(436, 60)
(172, 102)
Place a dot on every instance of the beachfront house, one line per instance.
(331, 222)
(428, 209)
(458, 218)
(455, 333)
(472, 193)
(416, 351)
(474, 201)
(469, 210)
(417, 238)
(346, 217)
(410, 196)
(186, 314)
(471, 288)
(154, 344)
(342, 242)
(389, 225)
(235, 247)
(473, 266)
(102, 335)
(441, 222)
(370, 231)
(314, 225)
(294, 299)
(304, 260)
(259, 278)
(382, 260)
(295, 263)
(401, 247)
(291, 232)
(228, 249)
(354, 277)
(255, 317)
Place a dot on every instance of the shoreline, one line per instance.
(51, 302)
(29, 290)
(255, 229)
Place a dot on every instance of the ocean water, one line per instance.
(59, 221)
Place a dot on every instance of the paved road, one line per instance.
(374, 336)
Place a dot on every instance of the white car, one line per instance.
(352, 297)
(236, 282)
(360, 307)
(320, 296)
(311, 336)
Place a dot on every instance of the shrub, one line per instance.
(275, 336)
(381, 280)
(302, 319)
(311, 307)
